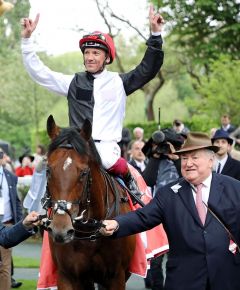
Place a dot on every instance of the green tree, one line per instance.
(202, 30)
(220, 91)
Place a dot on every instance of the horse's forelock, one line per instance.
(72, 136)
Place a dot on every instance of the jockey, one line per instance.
(98, 94)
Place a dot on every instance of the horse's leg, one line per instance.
(118, 282)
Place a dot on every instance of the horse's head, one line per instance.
(68, 178)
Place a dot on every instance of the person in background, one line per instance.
(137, 157)
(123, 144)
(193, 210)
(225, 164)
(38, 155)
(138, 134)
(226, 124)
(11, 213)
(180, 128)
(26, 167)
(98, 94)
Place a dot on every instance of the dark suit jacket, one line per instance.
(15, 202)
(232, 168)
(197, 252)
(11, 236)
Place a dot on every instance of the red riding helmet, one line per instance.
(98, 39)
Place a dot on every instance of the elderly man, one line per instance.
(193, 210)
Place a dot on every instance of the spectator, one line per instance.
(137, 157)
(26, 167)
(193, 211)
(225, 163)
(226, 124)
(138, 134)
(123, 144)
(39, 154)
(180, 128)
(12, 213)
(236, 137)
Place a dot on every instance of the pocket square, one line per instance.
(232, 247)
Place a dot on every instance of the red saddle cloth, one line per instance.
(148, 245)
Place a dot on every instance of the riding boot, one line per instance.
(132, 186)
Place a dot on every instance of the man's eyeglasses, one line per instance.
(95, 36)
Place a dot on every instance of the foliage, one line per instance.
(219, 91)
(205, 28)
(10, 27)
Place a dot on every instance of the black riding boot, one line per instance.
(132, 186)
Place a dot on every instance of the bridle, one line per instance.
(88, 228)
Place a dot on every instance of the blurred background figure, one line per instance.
(226, 124)
(123, 144)
(39, 155)
(137, 157)
(26, 167)
(138, 133)
(236, 137)
(225, 164)
(180, 128)
(11, 213)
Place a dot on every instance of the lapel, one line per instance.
(185, 193)
(214, 196)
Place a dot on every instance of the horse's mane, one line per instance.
(71, 136)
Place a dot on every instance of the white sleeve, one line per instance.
(54, 81)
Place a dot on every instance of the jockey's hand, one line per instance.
(31, 220)
(28, 26)
(109, 227)
(156, 20)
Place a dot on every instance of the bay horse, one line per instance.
(80, 194)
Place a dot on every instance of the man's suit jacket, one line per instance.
(15, 202)
(11, 236)
(197, 252)
(232, 168)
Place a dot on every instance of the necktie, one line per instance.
(199, 204)
(219, 167)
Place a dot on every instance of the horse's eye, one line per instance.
(83, 173)
(48, 171)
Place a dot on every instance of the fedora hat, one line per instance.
(196, 141)
(221, 134)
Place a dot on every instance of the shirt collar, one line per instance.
(101, 74)
(206, 183)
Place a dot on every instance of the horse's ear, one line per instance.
(86, 130)
(52, 129)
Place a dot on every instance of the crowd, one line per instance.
(193, 177)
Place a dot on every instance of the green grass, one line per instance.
(20, 262)
(28, 284)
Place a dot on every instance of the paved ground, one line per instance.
(33, 250)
